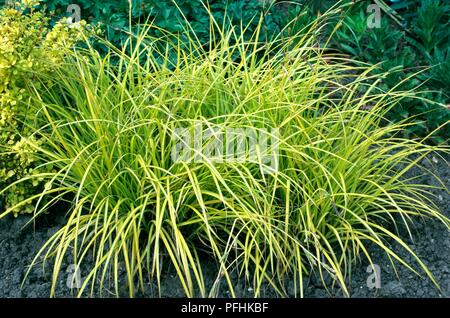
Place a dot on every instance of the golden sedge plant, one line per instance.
(110, 131)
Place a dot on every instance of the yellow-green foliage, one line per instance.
(28, 47)
(340, 185)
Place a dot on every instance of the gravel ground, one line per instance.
(431, 243)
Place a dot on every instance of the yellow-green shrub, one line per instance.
(28, 47)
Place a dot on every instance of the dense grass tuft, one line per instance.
(338, 184)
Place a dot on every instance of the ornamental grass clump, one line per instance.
(337, 183)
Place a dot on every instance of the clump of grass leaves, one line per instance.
(340, 184)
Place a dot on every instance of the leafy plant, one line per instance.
(421, 43)
(28, 47)
(431, 26)
(174, 15)
(109, 133)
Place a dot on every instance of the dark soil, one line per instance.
(19, 245)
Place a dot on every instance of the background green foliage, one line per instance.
(172, 15)
(420, 42)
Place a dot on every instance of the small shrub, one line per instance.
(28, 47)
